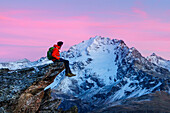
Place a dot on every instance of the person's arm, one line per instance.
(56, 54)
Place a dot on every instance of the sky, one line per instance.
(29, 28)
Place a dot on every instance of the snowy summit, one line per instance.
(107, 70)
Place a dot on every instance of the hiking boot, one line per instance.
(70, 74)
(73, 74)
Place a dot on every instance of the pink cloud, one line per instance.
(111, 13)
(17, 52)
(73, 25)
(21, 42)
(70, 22)
(167, 13)
(74, 29)
(80, 18)
(82, 22)
(148, 47)
(5, 18)
(140, 12)
(20, 12)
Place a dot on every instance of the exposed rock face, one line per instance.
(157, 102)
(29, 95)
(13, 83)
(30, 100)
(159, 61)
(48, 104)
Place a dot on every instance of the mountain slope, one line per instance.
(157, 102)
(24, 63)
(159, 61)
(107, 71)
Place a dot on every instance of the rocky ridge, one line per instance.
(29, 95)
(159, 61)
(24, 63)
(157, 102)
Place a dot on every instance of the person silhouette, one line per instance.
(56, 58)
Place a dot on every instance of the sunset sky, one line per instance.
(29, 28)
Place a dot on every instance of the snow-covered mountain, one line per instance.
(24, 63)
(159, 61)
(107, 71)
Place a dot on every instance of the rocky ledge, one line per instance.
(22, 91)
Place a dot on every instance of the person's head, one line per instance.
(60, 43)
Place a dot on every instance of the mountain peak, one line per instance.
(159, 61)
(153, 54)
(23, 60)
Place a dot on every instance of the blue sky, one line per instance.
(30, 27)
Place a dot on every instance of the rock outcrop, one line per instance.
(25, 90)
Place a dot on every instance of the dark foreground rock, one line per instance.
(22, 91)
(158, 102)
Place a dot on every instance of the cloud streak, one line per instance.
(140, 12)
(31, 28)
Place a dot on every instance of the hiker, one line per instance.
(56, 58)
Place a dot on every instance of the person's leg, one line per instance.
(66, 64)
